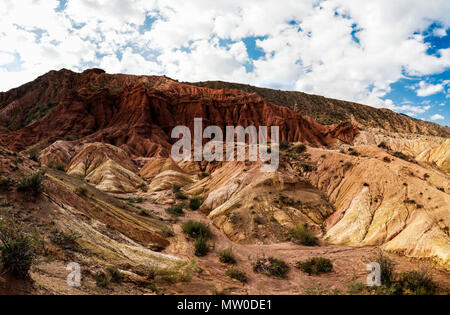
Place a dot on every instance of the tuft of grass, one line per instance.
(400, 155)
(81, 191)
(303, 235)
(102, 280)
(176, 188)
(34, 155)
(31, 184)
(285, 145)
(387, 268)
(299, 149)
(418, 283)
(227, 256)
(56, 166)
(315, 266)
(114, 274)
(237, 274)
(17, 247)
(6, 183)
(271, 267)
(180, 195)
(195, 229)
(201, 246)
(195, 203)
(176, 210)
(65, 240)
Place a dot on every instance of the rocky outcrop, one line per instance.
(439, 156)
(138, 113)
(107, 167)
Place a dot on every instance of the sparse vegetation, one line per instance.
(180, 195)
(195, 229)
(33, 155)
(31, 184)
(195, 203)
(271, 267)
(304, 236)
(6, 183)
(383, 145)
(114, 274)
(417, 283)
(56, 166)
(299, 149)
(176, 210)
(17, 247)
(315, 266)
(176, 188)
(81, 191)
(347, 166)
(237, 274)
(226, 256)
(66, 240)
(285, 145)
(201, 246)
(400, 155)
(387, 268)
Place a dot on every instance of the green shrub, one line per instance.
(382, 145)
(6, 183)
(195, 229)
(180, 195)
(56, 166)
(418, 283)
(201, 246)
(387, 269)
(176, 188)
(226, 256)
(237, 274)
(17, 247)
(285, 145)
(299, 149)
(114, 274)
(65, 240)
(31, 184)
(315, 266)
(34, 155)
(304, 236)
(81, 191)
(195, 204)
(176, 210)
(102, 280)
(400, 155)
(271, 267)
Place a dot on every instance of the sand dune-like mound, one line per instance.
(439, 156)
(107, 167)
(382, 200)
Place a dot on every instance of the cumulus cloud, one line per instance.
(437, 117)
(348, 49)
(426, 89)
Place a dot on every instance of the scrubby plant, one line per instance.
(56, 166)
(195, 229)
(33, 155)
(176, 210)
(176, 188)
(418, 283)
(102, 280)
(237, 274)
(195, 203)
(6, 183)
(271, 267)
(31, 184)
(227, 256)
(114, 274)
(67, 240)
(315, 265)
(180, 195)
(400, 155)
(299, 149)
(387, 268)
(81, 191)
(201, 246)
(382, 145)
(17, 247)
(304, 236)
(285, 145)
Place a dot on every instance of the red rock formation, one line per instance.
(137, 113)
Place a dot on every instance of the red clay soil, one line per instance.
(138, 113)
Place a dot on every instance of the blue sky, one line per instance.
(393, 54)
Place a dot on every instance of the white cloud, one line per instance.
(437, 117)
(426, 89)
(440, 32)
(6, 58)
(202, 40)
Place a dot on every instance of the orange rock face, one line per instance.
(138, 113)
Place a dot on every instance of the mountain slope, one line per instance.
(330, 111)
